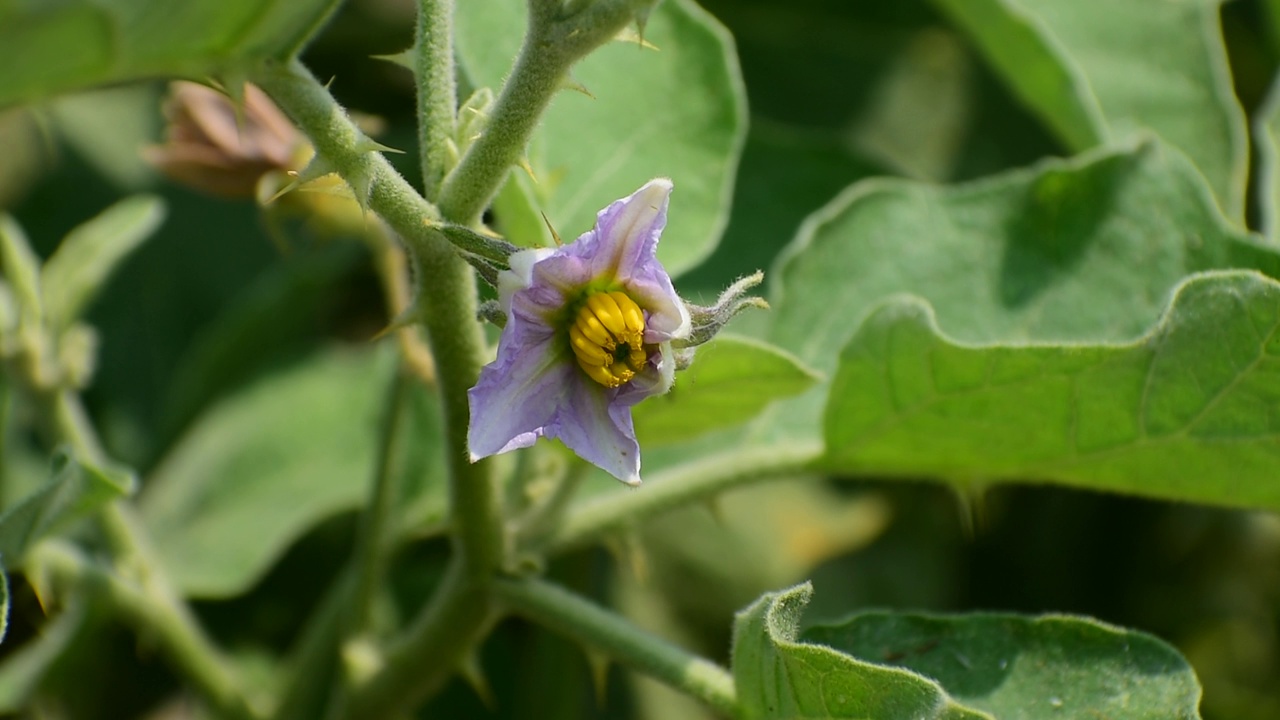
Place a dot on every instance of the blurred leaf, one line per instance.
(48, 48)
(731, 380)
(24, 668)
(677, 112)
(276, 317)
(109, 127)
(21, 268)
(1035, 65)
(1188, 412)
(263, 466)
(778, 676)
(1266, 136)
(74, 490)
(1156, 65)
(1013, 666)
(88, 255)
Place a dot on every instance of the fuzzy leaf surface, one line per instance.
(779, 676)
(1017, 667)
(1190, 412)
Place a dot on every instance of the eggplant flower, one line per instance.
(588, 335)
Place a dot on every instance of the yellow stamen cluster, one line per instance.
(607, 336)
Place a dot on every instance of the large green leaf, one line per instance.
(1079, 250)
(263, 466)
(731, 381)
(74, 490)
(778, 676)
(1082, 250)
(678, 112)
(1098, 69)
(53, 47)
(1189, 412)
(1017, 667)
(90, 252)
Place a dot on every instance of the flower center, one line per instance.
(607, 337)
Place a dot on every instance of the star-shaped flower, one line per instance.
(588, 335)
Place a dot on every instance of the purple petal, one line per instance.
(599, 430)
(517, 394)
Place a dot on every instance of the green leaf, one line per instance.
(48, 48)
(1186, 413)
(88, 255)
(778, 676)
(263, 466)
(731, 380)
(21, 269)
(678, 112)
(1083, 250)
(1101, 69)
(1012, 666)
(75, 490)
(1266, 135)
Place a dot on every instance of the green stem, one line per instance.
(437, 90)
(149, 602)
(551, 45)
(599, 629)
(678, 486)
(154, 615)
(369, 559)
(446, 295)
(430, 650)
(456, 616)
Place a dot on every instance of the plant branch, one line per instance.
(437, 90)
(599, 629)
(551, 45)
(369, 559)
(138, 587)
(678, 486)
(154, 615)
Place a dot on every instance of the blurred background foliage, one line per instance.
(838, 91)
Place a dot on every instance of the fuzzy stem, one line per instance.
(678, 486)
(455, 617)
(148, 601)
(551, 45)
(151, 615)
(437, 90)
(597, 628)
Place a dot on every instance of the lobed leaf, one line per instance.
(779, 676)
(1026, 668)
(1098, 70)
(1189, 412)
(731, 380)
(679, 111)
(1082, 250)
(74, 490)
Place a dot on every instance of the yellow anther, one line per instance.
(632, 315)
(588, 352)
(607, 337)
(606, 310)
